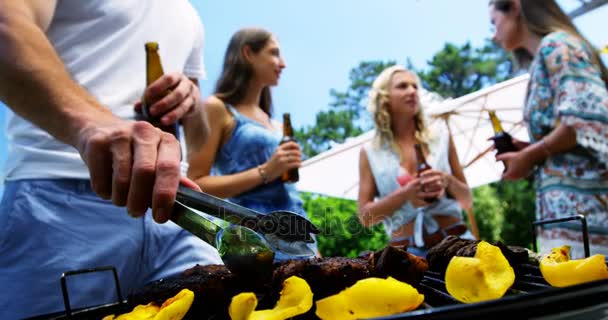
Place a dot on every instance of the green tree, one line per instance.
(518, 207)
(341, 233)
(457, 70)
(488, 213)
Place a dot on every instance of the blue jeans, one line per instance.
(48, 227)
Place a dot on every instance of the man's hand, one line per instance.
(175, 96)
(134, 164)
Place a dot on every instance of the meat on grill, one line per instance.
(214, 286)
(440, 255)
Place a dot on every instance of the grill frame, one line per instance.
(530, 297)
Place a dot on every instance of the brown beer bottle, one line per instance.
(503, 142)
(292, 175)
(502, 139)
(154, 70)
(421, 166)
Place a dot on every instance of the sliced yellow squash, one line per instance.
(371, 297)
(486, 276)
(174, 308)
(296, 298)
(560, 271)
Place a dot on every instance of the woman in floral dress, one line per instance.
(566, 112)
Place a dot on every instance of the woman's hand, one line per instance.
(286, 157)
(520, 145)
(518, 165)
(410, 191)
(433, 184)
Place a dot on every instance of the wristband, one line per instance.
(263, 174)
(545, 148)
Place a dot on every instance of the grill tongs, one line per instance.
(285, 231)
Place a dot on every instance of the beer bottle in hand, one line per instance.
(154, 70)
(421, 166)
(503, 142)
(292, 175)
(502, 139)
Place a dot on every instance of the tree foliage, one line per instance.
(457, 70)
(341, 233)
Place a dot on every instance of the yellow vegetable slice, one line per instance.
(371, 297)
(296, 298)
(560, 271)
(242, 306)
(486, 276)
(140, 312)
(174, 308)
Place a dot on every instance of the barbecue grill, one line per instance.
(530, 297)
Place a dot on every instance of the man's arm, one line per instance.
(32, 76)
(132, 163)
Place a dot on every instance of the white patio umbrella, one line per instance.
(469, 123)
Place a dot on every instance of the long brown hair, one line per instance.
(542, 18)
(237, 72)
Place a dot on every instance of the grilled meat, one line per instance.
(440, 255)
(326, 276)
(399, 264)
(214, 286)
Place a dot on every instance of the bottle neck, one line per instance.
(495, 122)
(420, 159)
(154, 69)
(287, 129)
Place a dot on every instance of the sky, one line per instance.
(322, 40)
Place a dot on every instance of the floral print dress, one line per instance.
(565, 87)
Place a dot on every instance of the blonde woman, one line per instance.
(408, 219)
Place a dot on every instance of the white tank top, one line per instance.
(102, 45)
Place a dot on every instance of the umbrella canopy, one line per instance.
(336, 172)
(468, 120)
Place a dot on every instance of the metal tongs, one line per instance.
(285, 231)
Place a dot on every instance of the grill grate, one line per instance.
(530, 297)
(528, 279)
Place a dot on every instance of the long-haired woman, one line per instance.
(243, 150)
(390, 190)
(566, 112)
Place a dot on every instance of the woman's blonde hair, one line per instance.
(378, 105)
(542, 18)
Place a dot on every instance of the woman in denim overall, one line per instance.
(242, 159)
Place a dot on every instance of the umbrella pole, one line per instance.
(472, 222)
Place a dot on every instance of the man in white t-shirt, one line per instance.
(72, 71)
